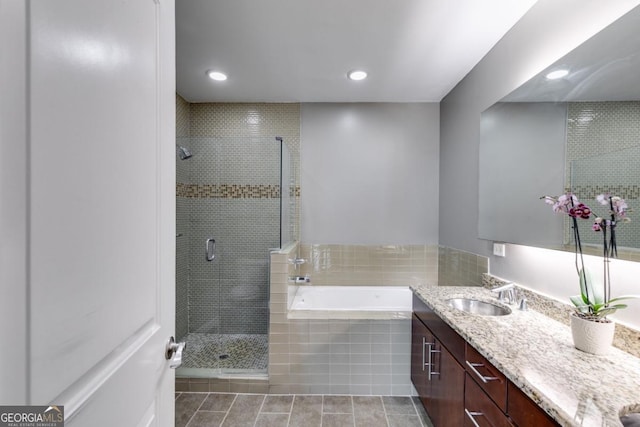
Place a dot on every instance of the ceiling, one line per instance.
(301, 50)
(603, 68)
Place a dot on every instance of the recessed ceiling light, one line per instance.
(217, 75)
(357, 75)
(557, 74)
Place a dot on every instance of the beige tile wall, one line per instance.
(356, 265)
(459, 268)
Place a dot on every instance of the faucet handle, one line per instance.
(523, 304)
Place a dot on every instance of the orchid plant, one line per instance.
(594, 301)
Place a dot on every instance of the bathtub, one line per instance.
(351, 302)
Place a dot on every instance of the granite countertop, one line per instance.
(537, 354)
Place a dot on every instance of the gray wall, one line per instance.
(369, 173)
(547, 32)
(519, 141)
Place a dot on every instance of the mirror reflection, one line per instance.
(579, 132)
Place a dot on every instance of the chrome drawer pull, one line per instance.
(424, 344)
(471, 416)
(484, 379)
(430, 362)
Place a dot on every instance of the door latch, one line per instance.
(173, 352)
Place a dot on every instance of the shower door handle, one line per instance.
(210, 248)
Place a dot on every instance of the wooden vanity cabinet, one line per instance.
(436, 374)
(460, 387)
(479, 409)
(525, 412)
(489, 379)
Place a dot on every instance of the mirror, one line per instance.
(580, 132)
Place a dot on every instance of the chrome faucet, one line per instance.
(507, 293)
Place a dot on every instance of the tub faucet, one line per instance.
(301, 280)
(507, 293)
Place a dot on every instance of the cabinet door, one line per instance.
(447, 388)
(419, 337)
(479, 409)
(524, 412)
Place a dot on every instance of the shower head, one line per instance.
(183, 152)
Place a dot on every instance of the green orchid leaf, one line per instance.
(593, 288)
(606, 311)
(584, 284)
(577, 301)
(619, 306)
(624, 297)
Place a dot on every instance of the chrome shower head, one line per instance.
(183, 152)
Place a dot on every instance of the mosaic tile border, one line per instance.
(628, 192)
(625, 338)
(232, 191)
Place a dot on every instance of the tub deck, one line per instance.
(351, 302)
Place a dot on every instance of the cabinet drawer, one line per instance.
(443, 332)
(491, 380)
(479, 410)
(524, 412)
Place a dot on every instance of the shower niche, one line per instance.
(235, 202)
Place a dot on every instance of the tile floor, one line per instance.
(270, 410)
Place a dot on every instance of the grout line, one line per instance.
(353, 411)
(197, 409)
(229, 410)
(417, 412)
(293, 401)
(264, 398)
(384, 409)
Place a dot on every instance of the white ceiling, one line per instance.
(603, 68)
(301, 50)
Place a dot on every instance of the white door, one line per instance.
(90, 270)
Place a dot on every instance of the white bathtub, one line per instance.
(351, 302)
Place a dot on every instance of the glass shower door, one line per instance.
(233, 196)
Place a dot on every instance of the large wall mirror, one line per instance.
(579, 133)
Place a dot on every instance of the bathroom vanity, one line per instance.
(459, 386)
(519, 369)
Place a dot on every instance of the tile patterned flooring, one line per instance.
(270, 410)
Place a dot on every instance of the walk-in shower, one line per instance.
(234, 205)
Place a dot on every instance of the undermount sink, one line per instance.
(475, 306)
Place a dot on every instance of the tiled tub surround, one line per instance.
(333, 356)
(537, 354)
(363, 265)
(460, 268)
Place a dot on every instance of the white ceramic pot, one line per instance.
(592, 337)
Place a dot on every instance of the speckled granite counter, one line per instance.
(536, 353)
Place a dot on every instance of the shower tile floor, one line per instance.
(226, 352)
(260, 410)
